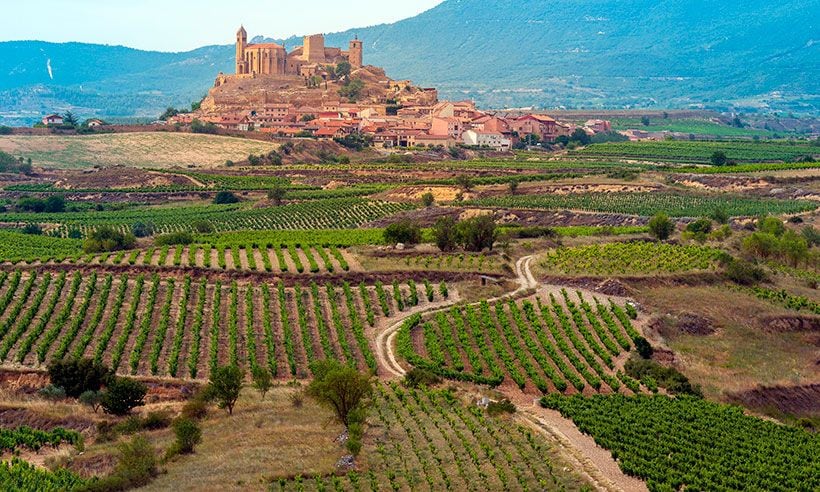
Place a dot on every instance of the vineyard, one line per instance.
(561, 345)
(17, 474)
(693, 444)
(16, 247)
(346, 213)
(683, 151)
(147, 325)
(649, 204)
(631, 259)
(429, 440)
(277, 258)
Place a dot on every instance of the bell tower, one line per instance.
(356, 53)
(241, 43)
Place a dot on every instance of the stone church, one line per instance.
(304, 61)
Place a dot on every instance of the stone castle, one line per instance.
(304, 61)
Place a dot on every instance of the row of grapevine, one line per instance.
(554, 346)
(292, 258)
(184, 327)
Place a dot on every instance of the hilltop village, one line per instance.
(328, 93)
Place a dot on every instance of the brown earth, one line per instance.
(793, 400)
(683, 323)
(792, 323)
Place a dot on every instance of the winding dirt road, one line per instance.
(587, 458)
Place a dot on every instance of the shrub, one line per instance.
(188, 435)
(665, 377)
(340, 388)
(404, 231)
(661, 226)
(32, 230)
(771, 225)
(428, 199)
(122, 395)
(496, 408)
(142, 229)
(719, 158)
(720, 215)
(225, 197)
(138, 462)
(52, 393)
(77, 376)
(203, 226)
(744, 273)
(421, 377)
(643, 347)
(174, 238)
(262, 380)
(156, 421)
(224, 387)
(477, 233)
(196, 407)
(108, 239)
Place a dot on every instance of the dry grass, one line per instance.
(154, 150)
(261, 441)
(741, 354)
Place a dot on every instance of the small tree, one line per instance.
(465, 182)
(580, 136)
(477, 233)
(225, 386)
(445, 234)
(123, 395)
(340, 388)
(404, 231)
(513, 187)
(719, 158)
(720, 215)
(52, 393)
(91, 399)
(70, 120)
(137, 464)
(142, 229)
(428, 200)
(645, 121)
(277, 194)
(661, 226)
(188, 434)
(262, 380)
(108, 239)
(771, 225)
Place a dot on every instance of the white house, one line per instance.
(495, 141)
(53, 119)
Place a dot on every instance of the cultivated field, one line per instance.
(147, 150)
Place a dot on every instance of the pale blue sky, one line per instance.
(181, 25)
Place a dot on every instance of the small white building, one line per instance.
(52, 119)
(495, 141)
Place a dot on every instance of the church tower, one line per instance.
(241, 43)
(356, 53)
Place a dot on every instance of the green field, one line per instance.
(692, 126)
(684, 151)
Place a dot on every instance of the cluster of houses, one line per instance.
(444, 124)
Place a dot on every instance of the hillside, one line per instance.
(585, 53)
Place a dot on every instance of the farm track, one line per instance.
(594, 462)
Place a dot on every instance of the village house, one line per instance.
(53, 119)
(599, 126)
(446, 126)
(493, 140)
(94, 123)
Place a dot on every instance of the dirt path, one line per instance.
(594, 462)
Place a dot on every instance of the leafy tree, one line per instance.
(645, 121)
(224, 387)
(196, 105)
(761, 244)
(343, 69)
(477, 233)
(262, 380)
(580, 136)
(719, 158)
(207, 128)
(644, 348)
(404, 231)
(428, 200)
(55, 204)
(277, 194)
(121, 395)
(531, 140)
(720, 215)
(52, 393)
(513, 186)
(445, 234)
(811, 235)
(108, 239)
(340, 388)
(168, 114)
(308, 118)
(352, 90)
(32, 229)
(225, 197)
(744, 273)
(70, 120)
(202, 226)
(136, 467)
(92, 399)
(77, 376)
(465, 182)
(771, 225)
(794, 248)
(661, 226)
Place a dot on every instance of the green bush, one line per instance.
(174, 239)
(122, 395)
(495, 408)
(661, 226)
(225, 197)
(418, 377)
(77, 376)
(107, 239)
(404, 231)
(188, 435)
